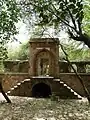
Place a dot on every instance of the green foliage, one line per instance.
(54, 12)
(86, 20)
(1, 67)
(79, 54)
(21, 53)
(68, 14)
(76, 52)
(9, 15)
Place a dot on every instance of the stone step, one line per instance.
(69, 88)
(16, 86)
(80, 97)
(64, 89)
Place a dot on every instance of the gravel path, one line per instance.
(23, 108)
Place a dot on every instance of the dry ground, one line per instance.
(23, 108)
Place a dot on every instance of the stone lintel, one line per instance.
(42, 40)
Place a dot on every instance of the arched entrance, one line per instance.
(41, 90)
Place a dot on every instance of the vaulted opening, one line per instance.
(41, 90)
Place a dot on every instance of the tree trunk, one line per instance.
(4, 94)
(80, 37)
(86, 39)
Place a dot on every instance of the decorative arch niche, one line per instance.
(44, 63)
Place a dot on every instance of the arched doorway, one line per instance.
(41, 90)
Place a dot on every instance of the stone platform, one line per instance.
(42, 86)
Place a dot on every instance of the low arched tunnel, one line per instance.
(41, 90)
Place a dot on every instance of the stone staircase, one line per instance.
(20, 88)
(59, 88)
(66, 91)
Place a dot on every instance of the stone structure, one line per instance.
(44, 75)
(44, 56)
(22, 66)
(16, 66)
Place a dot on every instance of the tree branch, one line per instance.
(63, 21)
(73, 20)
(79, 26)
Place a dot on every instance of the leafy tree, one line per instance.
(21, 53)
(9, 15)
(86, 20)
(69, 14)
(62, 14)
(77, 52)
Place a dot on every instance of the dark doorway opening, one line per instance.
(41, 90)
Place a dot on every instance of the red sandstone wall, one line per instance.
(71, 80)
(9, 80)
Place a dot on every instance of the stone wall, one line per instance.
(16, 66)
(71, 80)
(11, 79)
(23, 66)
(79, 66)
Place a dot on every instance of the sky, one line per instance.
(24, 35)
(23, 32)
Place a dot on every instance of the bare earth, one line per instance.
(23, 108)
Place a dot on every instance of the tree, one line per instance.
(9, 15)
(62, 14)
(21, 53)
(77, 52)
(68, 14)
(86, 20)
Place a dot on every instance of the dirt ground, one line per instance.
(23, 108)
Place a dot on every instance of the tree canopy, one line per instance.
(62, 14)
(9, 15)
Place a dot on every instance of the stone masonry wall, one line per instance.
(16, 66)
(71, 80)
(11, 79)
